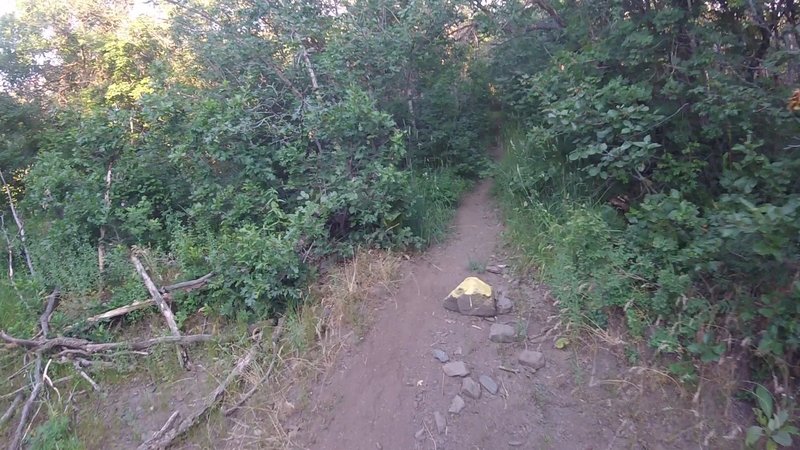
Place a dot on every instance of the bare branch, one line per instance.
(183, 357)
(18, 220)
(166, 438)
(190, 285)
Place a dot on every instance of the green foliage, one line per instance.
(692, 145)
(774, 427)
(55, 434)
(253, 152)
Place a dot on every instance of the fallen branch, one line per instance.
(183, 357)
(166, 439)
(116, 312)
(11, 409)
(68, 344)
(186, 286)
(252, 390)
(160, 433)
(19, 391)
(16, 440)
(190, 285)
(44, 319)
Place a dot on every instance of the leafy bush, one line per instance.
(694, 151)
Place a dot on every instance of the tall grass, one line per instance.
(574, 242)
(434, 197)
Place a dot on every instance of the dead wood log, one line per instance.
(185, 286)
(18, 220)
(16, 440)
(62, 344)
(121, 311)
(191, 285)
(165, 439)
(244, 398)
(183, 357)
(44, 319)
(101, 241)
(21, 390)
(158, 435)
(11, 409)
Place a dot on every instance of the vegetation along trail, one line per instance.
(281, 224)
(390, 391)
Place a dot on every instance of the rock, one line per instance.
(441, 423)
(472, 297)
(502, 334)
(457, 405)
(488, 383)
(515, 443)
(504, 304)
(420, 434)
(532, 359)
(470, 388)
(455, 369)
(495, 270)
(440, 355)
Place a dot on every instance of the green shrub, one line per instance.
(55, 434)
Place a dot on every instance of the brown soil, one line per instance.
(383, 392)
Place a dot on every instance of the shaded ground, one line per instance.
(382, 394)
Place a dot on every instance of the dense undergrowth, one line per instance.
(257, 151)
(652, 174)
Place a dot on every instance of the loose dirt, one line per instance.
(383, 392)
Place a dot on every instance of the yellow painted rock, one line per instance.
(472, 297)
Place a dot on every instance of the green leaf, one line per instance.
(781, 417)
(754, 433)
(764, 400)
(783, 438)
(791, 429)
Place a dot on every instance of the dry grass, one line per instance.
(312, 336)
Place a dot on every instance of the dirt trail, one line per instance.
(383, 393)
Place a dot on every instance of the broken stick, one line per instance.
(166, 438)
(38, 381)
(188, 286)
(183, 356)
(82, 346)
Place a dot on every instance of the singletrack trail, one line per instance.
(384, 391)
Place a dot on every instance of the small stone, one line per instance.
(420, 435)
(455, 369)
(488, 383)
(470, 388)
(494, 269)
(440, 355)
(457, 405)
(441, 423)
(502, 334)
(515, 443)
(504, 304)
(532, 359)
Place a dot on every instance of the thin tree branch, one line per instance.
(20, 226)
